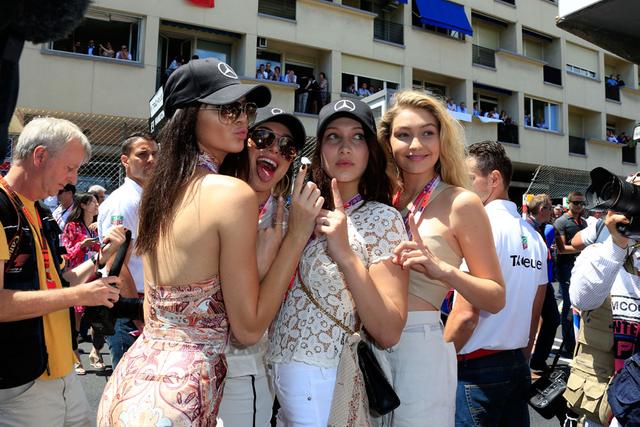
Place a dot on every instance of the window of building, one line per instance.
(485, 103)
(105, 34)
(364, 86)
(581, 61)
(541, 114)
(211, 49)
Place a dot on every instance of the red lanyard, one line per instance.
(51, 284)
(419, 204)
(262, 209)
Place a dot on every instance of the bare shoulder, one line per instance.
(227, 189)
(464, 201)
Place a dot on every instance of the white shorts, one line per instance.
(56, 403)
(424, 371)
(246, 401)
(304, 393)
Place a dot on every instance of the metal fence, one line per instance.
(105, 133)
(558, 182)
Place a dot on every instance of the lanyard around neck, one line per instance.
(51, 284)
(419, 203)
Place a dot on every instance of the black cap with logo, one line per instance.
(209, 81)
(352, 108)
(278, 115)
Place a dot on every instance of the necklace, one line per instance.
(207, 162)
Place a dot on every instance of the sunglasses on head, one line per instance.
(230, 113)
(264, 138)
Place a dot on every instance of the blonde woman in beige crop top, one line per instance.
(447, 223)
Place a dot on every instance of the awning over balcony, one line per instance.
(402, 1)
(444, 14)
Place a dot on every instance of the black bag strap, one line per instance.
(10, 211)
(555, 359)
(599, 226)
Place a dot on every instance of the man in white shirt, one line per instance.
(65, 200)
(493, 350)
(138, 155)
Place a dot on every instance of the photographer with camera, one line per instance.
(609, 270)
(37, 383)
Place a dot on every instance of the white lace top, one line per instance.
(301, 332)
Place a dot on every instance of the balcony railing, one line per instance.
(553, 75)
(629, 155)
(388, 31)
(577, 145)
(612, 92)
(484, 56)
(281, 8)
(508, 133)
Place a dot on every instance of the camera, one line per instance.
(609, 192)
(103, 319)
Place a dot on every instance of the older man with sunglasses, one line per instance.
(567, 226)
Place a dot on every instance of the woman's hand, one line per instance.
(93, 227)
(417, 256)
(88, 242)
(333, 224)
(306, 203)
(113, 239)
(268, 241)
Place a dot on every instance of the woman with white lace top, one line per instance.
(345, 273)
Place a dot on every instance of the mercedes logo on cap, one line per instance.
(344, 104)
(227, 71)
(275, 111)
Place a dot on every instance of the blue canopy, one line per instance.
(402, 1)
(444, 14)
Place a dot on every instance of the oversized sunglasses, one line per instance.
(577, 202)
(264, 138)
(229, 113)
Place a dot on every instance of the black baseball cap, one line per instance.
(352, 108)
(278, 115)
(209, 81)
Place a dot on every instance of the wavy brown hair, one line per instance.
(451, 162)
(174, 171)
(375, 183)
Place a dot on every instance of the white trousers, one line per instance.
(55, 403)
(246, 401)
(424, 372)
(304, 393)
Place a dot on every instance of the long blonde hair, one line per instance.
(451, 162)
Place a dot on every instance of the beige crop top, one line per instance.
(434, 291)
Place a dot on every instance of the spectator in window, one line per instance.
(462, 108)
(619, 81)
(261, 73)
(527, 119)
(364, 90)
(107, 51)
(611, 81)
(476, 109)
(303, 92)
(123, 53)
(623, 138)
(505, 117)
(451, 106)
(314, 96)
(77, 47)
(611, 137)
(352, 89)
(91, 47)
(277, 75)
(268, 71)
(291, 77)
(324, 89)
(493, 114)
(174, 65)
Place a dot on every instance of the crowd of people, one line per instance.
(100, 49)
(261, 282)
(615, 81)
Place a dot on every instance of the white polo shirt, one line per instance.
(523, 260)
(121, 208)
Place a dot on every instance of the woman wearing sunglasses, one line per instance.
(345, 279)
(266, 164)
(199, 255)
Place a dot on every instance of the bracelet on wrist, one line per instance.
(95, 260)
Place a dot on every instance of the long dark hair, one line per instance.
(174, 170)
(375, 183)
(77, 214)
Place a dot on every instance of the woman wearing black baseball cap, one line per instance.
(266, 164)
(199, 255)
(345, 278)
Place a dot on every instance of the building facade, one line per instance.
(502, 55)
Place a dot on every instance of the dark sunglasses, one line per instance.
(264, 138)
(229, 113)
(577, 202)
